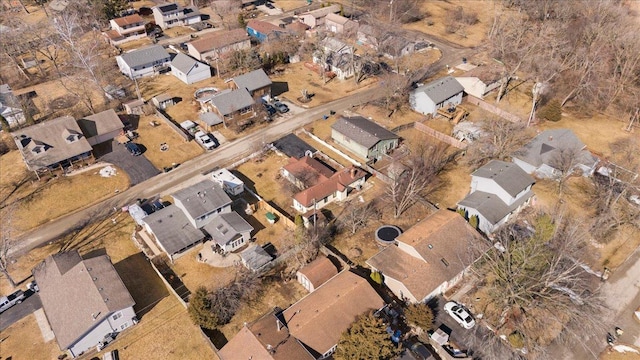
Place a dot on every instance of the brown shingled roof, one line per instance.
(263, 27)
(319, 271)
(338, 182)
(219, 40)
(306, 165)
(128, 20)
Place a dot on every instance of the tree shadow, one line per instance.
(143, 283)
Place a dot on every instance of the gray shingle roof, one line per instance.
(548, 144)
(225, 227)
(230, 101)
(363, 131)
(185, 63)
(293, 146)
(73, 291)
(253, 80)
(441, 89)
(100, 123)
(490, 205)
(202, 198)
(145, 56)
(508, 175)
(172, 229)
(255, 257)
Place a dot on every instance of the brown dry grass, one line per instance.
(287, 5)
(299, 77)
(472, 35)
(23, 340)
(606, 355)
(195, 274)
(152, 136)
(262, 175)
(37, 202)
(330, 153)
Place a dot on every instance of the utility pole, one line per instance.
(391, 11)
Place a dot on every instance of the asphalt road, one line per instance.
(19, 311)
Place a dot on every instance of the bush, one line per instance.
(552, 111)
(474, 221)
(419, 315)
(516, 340)
(200, 309)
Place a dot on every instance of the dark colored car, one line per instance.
(420, 351)
(281, 107)
(133, 148)
(270, 109)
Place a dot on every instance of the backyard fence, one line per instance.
(493, 109)
(286, 220)
(173, 125)
(440, 136)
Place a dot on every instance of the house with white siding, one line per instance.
(189, 70)
(168, 15)
(147, 61)
(427, 99)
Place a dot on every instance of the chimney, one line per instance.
(353, 172)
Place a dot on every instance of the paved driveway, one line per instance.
(138, 168)
(18, 311)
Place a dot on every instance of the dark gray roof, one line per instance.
(293, 146)
(210, 118)
(255, 257)
(100, 123)
(202, 198)
(172, 229)
(77, 294)
(490, 206)
(548, 144)
(168, 7)
(145, 56)
(508, 175)
(253, 80)
(185, 63)
(363, 131)
(441, 89)
(228, 102)
(225, 227)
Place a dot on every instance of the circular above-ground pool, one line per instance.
(204, 92)
(387, 234)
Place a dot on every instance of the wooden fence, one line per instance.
(440, 136)
(493, 109)
(173, 125)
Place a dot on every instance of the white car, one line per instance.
(459, 314)
(205, 140)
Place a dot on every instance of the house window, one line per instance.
(124, 326)
(245, 110)
(117, 315)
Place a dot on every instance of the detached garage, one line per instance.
(188, 69)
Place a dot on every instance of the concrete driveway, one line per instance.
(138, 168)
(19, 311)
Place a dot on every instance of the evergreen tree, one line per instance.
(366, 339)
(419, 315)
(200, 309)
(5, 124)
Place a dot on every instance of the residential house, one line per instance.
(229, 231)
(315, 18)
(264, 31)
(202, 202)
(52, 144)
(444, 92)
(339, 24)
(230, 183)
(215, 45)
(127, 28)
(297, 28)
(101, 127)
(147, 61)
(395, 46)
(552, 150)
(256, 82)
(369, 35)
(363, 137)
(234, 107)
(10, 107)
(292, 146)
(188, 69)
(316, 273)
(430, 257)
(255, 258)
(336, 56)
(168, 15)
(310, 328)
(306, 172)
(84, 300)
(336, 188)
(172, 231)
(481, 80)
(498, 190)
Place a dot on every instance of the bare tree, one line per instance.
(7, 243)
(356, 216)
(499, 139)
(565, 162)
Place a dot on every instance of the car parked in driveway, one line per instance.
(270, 109)
(420, 351)
(205, 140)
(133, 148)
(283, 108)
(459, 314)
(8, 301)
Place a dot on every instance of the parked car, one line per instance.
(270, 109)
(283, 108)
(459, 314)
(7, 302)
(33, 287)
(420, 351)
(133, 148)
(205, 140)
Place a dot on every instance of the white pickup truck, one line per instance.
(8, 301)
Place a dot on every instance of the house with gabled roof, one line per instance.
(188, 69)
(336, 56)
(336, 188)
(316, 17)
(427, 99)
(52, 144)
(257, 82)
(264, 31)
(306, 172)
(127, 28)
(84, 300)
(481, 80)
(292, 146)
(543, 156)
(202, 202)
(10, 107)
(316, 273)
(229, 231)
(499, 190)
(232, 106)
(430, 257)
(147, 61)
(168, 15)
(172, 231)
(101, 127)
(396, 46)
(215, 45)
(339, 24)
(363, 137)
